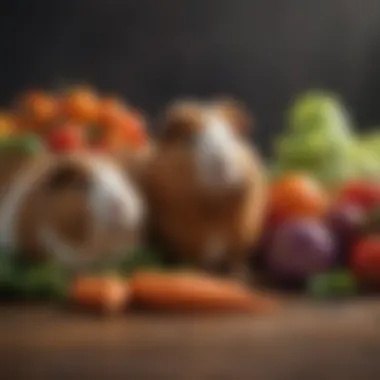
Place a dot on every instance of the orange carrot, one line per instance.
(106, 293)
(197, 292)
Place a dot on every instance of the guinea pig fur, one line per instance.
(73, 209)
(206, 186)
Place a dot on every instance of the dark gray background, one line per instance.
(150, 51)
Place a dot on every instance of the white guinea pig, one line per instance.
(206, 185)
(72, 209)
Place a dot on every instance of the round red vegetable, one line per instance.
(364, 194)
(365, 259)
(299, 249)
(66, 140)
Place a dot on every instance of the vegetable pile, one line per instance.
(325, 196)
(143, 283)
(322, 232)
(319, 138)
(76, 119)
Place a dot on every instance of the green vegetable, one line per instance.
(22, 279)
(8, 277)
(319, 111)
(43, 282)
(370, 141)
(319, 140)
(365, 163)
(26, 144)
(333, 285)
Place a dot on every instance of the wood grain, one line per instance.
(305, 341)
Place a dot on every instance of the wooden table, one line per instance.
(305, 341)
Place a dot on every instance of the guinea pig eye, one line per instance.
(189, 138)
(68, 178)
(186, 137)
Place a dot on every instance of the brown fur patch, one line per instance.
(183, 119)
(237, 113)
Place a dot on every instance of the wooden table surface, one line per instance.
(305, 341)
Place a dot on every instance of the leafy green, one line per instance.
(28, 144)
(335, 284)
(22, 279)
(319, 111)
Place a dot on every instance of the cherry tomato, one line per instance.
(297, 195)
(364, 194)
(111, 111)
(66, 139)
(82, 105)
(39, 108)
(365, 259)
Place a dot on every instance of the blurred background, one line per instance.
(151, 51)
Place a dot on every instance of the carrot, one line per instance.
(105, 294)
(197, 292)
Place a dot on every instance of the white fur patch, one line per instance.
(114, 202)
(114, 198)
(217, 153)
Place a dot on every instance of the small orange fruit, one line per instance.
(82, 105)
(298, 195)
(111, 111)
(7, 124)
(39, 108)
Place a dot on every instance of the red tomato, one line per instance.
(364, 194)
(365, 259)
(66, 140)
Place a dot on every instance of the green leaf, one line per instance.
(43, 282)
(319, 111)
(334, 284)
(27, 144)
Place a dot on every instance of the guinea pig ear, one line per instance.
(238, 114)
(179, 119)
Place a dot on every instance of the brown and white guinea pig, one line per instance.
(71, 209)
(206, 186)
